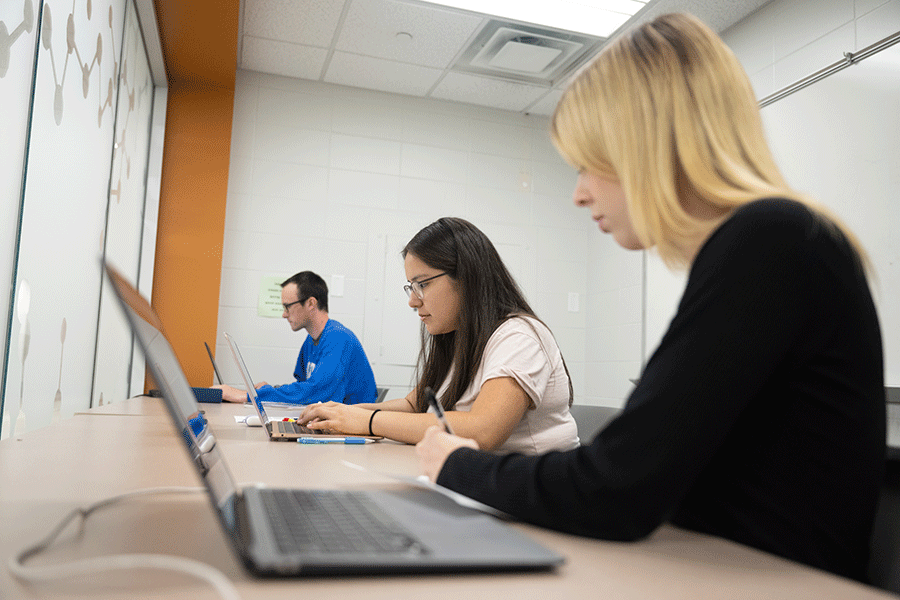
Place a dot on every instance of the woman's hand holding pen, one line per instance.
(336, 417)
(435, 447)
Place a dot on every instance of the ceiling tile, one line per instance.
(437, 35)
(506, 95)
(378, 74)
(310, 22)
(547, 104)
(295, 37)
(280, 58)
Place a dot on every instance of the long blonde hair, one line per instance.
(667, 111)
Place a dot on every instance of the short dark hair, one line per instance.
(309, 285)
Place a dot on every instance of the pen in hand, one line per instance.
(433, 401)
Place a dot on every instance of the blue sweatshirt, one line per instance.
(333, 368)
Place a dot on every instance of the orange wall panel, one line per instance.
(199, 42)
(192, 221)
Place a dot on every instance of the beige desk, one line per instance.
(130, 445)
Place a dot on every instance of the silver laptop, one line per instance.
(278, 532)
(214, 365)
(276, 429)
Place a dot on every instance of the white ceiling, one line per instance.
(355, 43)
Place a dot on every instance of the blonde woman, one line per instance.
(760, 417)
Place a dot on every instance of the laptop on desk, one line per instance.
(275, 429)
(293, 532)
(214, 365)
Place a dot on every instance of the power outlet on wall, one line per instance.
(524, 181)
(337, 286)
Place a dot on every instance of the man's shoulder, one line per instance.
(337, 330)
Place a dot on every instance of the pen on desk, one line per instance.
(336, 440)
(432, 399)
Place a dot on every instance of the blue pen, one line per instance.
(337, 440)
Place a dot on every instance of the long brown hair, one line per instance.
(488, 296)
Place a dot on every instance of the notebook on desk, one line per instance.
(286, 532)
(275, 429)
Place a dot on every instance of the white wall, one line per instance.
(787, 40)
(614, 327)
(336, 180)
(781, 43)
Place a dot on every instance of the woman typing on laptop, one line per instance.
(497, 370)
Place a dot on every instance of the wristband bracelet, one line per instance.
(372, 418)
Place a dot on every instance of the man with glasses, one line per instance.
(332, 365)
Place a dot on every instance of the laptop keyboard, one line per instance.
(334, 521)
(291, 427)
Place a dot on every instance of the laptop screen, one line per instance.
(177, 394)
(245, 375)
(423, 529)
(214, 365)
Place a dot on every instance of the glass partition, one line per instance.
(78, 90)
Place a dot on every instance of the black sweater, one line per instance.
(760, 418)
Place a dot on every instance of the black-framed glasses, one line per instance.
(288, 306)
(418, 288)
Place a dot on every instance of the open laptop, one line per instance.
(214, 365)
(276, 531)
(275, 429)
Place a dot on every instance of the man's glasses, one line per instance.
(418, 287)
(288, 306)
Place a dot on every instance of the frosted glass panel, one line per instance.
(125, 216)
(64, 212)
(18, 36)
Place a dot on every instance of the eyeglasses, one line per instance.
(288, 306)
(418, 287)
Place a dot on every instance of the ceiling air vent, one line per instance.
(526, 53)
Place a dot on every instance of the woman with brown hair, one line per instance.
(495, 366)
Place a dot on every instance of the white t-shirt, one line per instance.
(524, 349)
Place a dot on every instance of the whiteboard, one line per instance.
(839, 142)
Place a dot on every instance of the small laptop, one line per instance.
(277, 430)
(214, 365)
(295, 532)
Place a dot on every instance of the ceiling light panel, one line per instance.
(593, 17)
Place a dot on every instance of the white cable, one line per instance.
(92, 566)
(197, 569)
